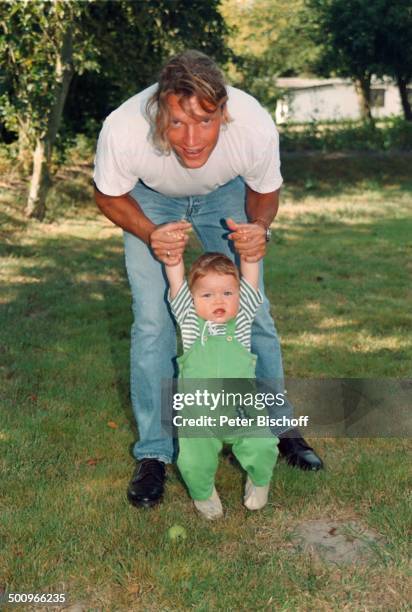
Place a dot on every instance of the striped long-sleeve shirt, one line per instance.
(185, 314)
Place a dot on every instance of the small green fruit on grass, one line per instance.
(177, 532)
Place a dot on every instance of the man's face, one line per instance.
(216, 297)
(193, 136)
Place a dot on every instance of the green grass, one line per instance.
(338, 277)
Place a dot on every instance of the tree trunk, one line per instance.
(363, 89)
(39, 184)
(403, 92)
(24, 155)
(41, 179)
(64, 75)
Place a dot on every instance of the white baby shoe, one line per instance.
(255, 497)
(210, 508)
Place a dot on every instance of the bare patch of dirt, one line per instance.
(337, 541)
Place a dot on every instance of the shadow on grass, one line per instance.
(66, 315)
(331, 175)
(347, 288)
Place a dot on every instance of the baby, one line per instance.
(215, 309)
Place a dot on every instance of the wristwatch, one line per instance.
(266, 227)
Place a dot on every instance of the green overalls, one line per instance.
(216, 357)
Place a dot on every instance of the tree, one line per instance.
(346, 31)
(135, 40)
(46, 43)
(268, 40)
(43, 46)
(394, 48)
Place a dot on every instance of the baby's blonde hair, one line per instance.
(211, 262)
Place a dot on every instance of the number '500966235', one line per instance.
(35, 598)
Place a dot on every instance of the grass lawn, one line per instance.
(338, 277)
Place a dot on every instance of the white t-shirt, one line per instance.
(248, 146)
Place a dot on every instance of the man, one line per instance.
(186, 149)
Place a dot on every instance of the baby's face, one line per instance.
(216, 297)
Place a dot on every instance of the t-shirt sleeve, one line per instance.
(181, 303)
(264, 174)
(250, 299)
(113, 174)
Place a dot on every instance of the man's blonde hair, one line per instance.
(211, 262)
(188, 74)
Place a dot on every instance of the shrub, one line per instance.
(390, 134)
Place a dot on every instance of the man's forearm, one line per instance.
(126, 213)
(262, 206)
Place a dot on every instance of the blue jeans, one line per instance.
(153, 337)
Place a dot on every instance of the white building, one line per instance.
(308, 100)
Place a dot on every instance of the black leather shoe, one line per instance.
(298, 453)
(147, 484)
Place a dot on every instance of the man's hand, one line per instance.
(168, 241)
(249, 240)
